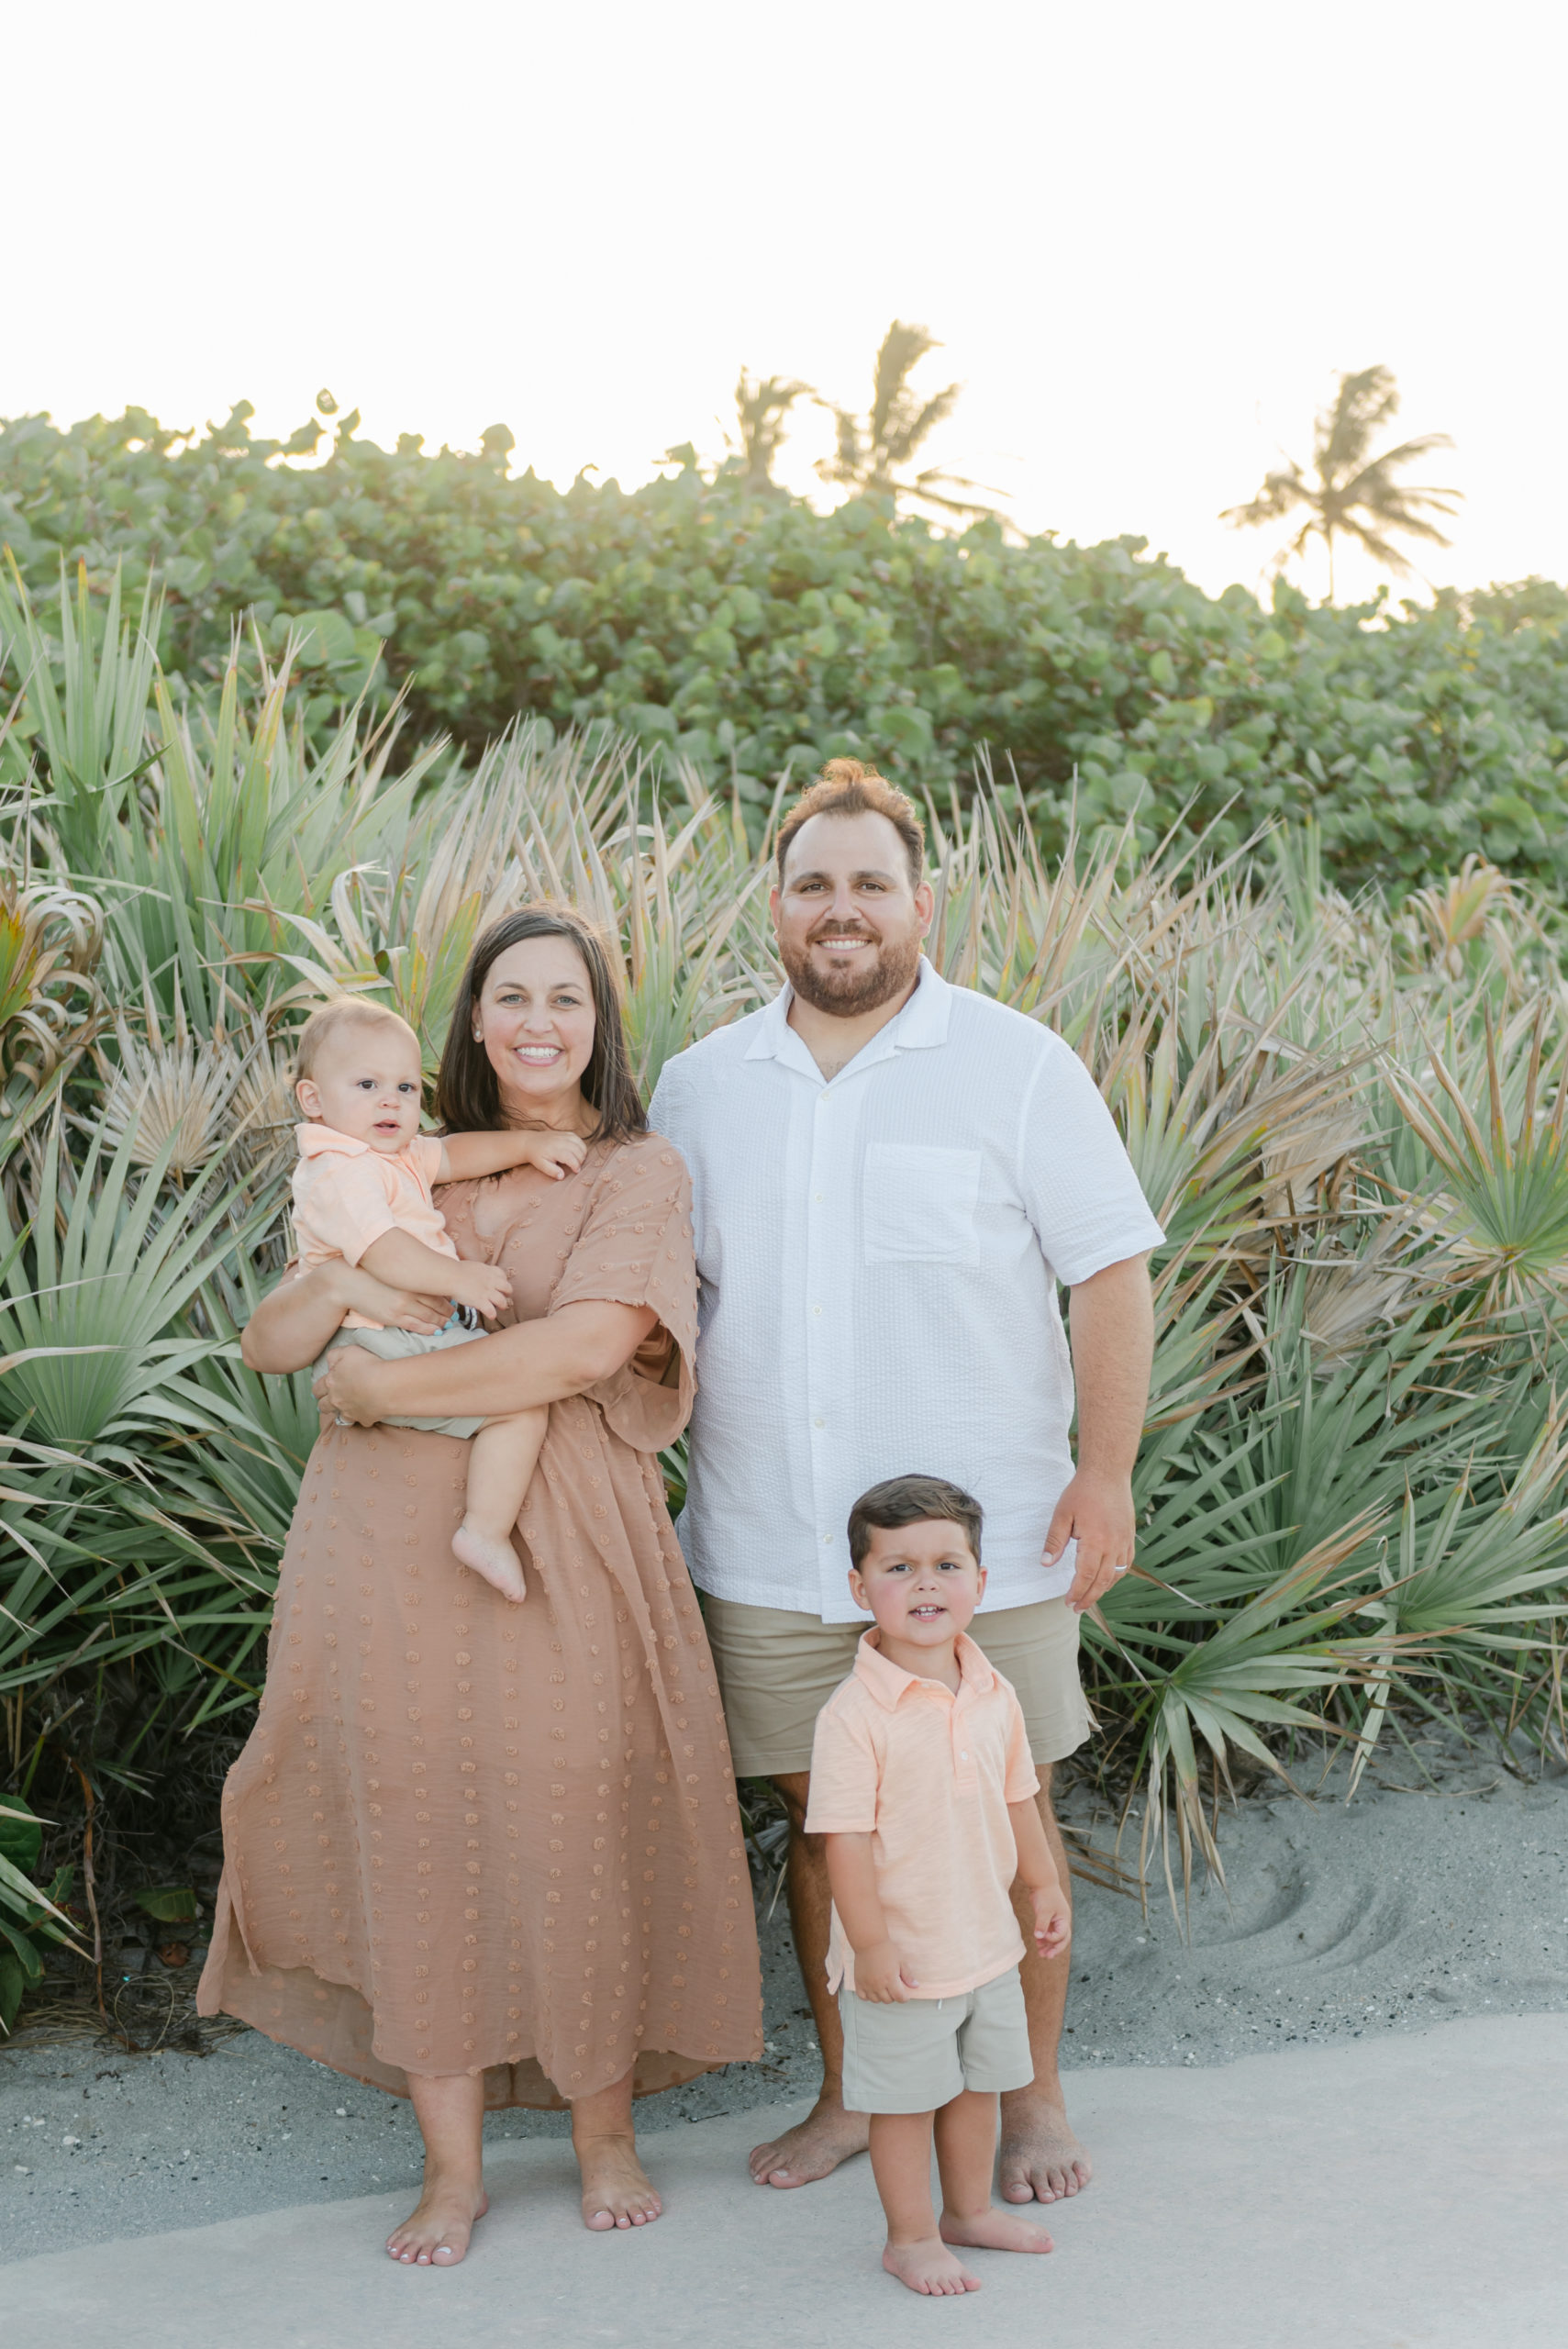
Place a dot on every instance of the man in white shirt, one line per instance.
(890, 1177)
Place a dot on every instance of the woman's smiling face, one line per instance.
(534, 1019)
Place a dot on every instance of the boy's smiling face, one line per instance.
(922, 1582)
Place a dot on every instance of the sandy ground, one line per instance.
(1417, 1903)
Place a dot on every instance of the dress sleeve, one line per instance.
(635, 1248)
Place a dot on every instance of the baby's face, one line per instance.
(921, 1582)
(367, 1084)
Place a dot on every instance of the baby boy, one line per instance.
(363, 1191)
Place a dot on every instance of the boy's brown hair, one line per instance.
(845, 787)
(913, 1500)
(331, 1018)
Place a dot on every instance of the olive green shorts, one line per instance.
(917, 2057)
(777, 1669)
(398, 1345)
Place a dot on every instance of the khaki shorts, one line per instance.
(778, 1667)
(398, 1346)
(918, 2057)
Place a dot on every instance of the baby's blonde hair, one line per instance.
(344, 1011)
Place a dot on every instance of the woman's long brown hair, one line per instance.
(468, 1094)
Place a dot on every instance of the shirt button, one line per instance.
(818, 1423)
(964, 1757)
(817, 1308)
(820, 1196)
(827, 1537)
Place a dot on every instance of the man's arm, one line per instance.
(1112, 1320)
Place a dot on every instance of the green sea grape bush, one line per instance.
(743, 632)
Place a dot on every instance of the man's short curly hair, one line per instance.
(845, 787)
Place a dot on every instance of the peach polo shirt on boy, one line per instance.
(346, 1195)
(928, 1775)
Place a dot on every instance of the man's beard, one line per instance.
(845, 993)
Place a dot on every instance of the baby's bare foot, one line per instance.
(497, 1561)
(615, 2191)
(437, 2234)
(928, 2267)
(991, 2230)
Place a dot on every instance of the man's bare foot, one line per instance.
(991, 2230)
(615, 2191)
(1041, 2159)
(813, 2148)
(436, 2234)
(497, 1561)
(928, 2267)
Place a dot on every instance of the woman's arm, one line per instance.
(533, 1363)
(303, 1314)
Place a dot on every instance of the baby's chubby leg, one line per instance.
(901, 2164)
(501, 1463)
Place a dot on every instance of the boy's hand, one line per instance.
(485, 1287)
(880, 1976)
(1052, 1920)
(555, 1154)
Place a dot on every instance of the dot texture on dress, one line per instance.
(466, 1836)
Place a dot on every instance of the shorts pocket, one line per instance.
(917, 1204)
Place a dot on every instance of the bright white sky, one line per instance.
(1148, 235)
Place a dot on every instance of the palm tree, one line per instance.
(1348, 490)
(872, 450)
(761, 408)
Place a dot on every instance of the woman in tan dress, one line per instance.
(476, 1852)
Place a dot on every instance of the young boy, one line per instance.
(361, 1191)
(922, 1783)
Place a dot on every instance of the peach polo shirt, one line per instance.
(346, 1195)
(928, 1775)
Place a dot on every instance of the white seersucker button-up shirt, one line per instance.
(878, 1261)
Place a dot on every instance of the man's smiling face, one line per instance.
(848, 919)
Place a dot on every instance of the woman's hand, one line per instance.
(348, 1386)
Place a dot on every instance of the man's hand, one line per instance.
(880, 1976)
(347, 1385)
(1096, 1512)
(1052, 1920)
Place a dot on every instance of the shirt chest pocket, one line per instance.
(917, 1204)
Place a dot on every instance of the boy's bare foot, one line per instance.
(437, 2234)
(991, 2230)
(813, 2148)
(928, 2267)
(1041, 2159)
(615, 2191)
(497, 1561)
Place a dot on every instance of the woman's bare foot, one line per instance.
(437, 2234)
(991, 2230)
(1041, 2159)
(813, 2148)
(615, 2191)
(929, 2267)
(497, 1561)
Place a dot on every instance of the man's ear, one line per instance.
(926, 907)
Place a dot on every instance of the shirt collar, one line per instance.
(921, 1023)
(315, 1141)
(887, 1681)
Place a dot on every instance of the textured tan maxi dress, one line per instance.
(469, 1836)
